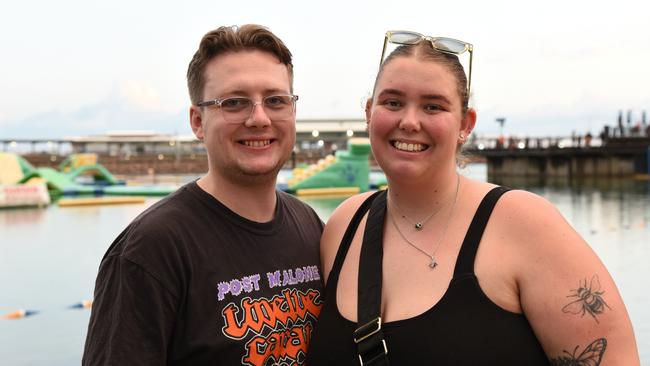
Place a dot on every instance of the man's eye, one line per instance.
(235, 103)
(276, 101)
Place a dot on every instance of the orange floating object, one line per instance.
(86, 304)
(19, 314)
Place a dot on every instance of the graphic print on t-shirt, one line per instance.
(274, 330)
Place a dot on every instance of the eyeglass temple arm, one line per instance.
(469, 84)
(383, 51)
(471, 57)
(207, 103)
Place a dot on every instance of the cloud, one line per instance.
(138, 95)
(130, 105)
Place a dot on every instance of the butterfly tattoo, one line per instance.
(590, 356)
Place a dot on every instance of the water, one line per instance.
(49, 259)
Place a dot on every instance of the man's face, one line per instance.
(255, 149)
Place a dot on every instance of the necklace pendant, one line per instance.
(433, 263)
(418, 226)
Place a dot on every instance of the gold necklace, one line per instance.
(433, 263)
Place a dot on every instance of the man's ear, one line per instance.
(196, 122)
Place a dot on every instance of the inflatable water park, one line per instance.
(345, 173)
(81, 180)
(22, 184)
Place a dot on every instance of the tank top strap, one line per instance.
(347, 239)
(467, 254)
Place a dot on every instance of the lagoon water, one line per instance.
(49, 259)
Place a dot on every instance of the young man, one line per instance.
(223, 271)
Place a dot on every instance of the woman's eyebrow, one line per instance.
(437, 97)
(392, 92)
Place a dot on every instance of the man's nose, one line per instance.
(258, 117)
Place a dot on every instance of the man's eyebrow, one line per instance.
(270, 91)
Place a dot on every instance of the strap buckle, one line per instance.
(367, 330)
(372, 353)
(377, 356)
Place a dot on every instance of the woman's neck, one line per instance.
(417, 200)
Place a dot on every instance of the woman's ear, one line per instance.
(469, 122)
(368, 112)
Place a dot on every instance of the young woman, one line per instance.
(444, 270)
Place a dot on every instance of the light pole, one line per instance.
(501, 121)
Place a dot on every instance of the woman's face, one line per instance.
(415, 118)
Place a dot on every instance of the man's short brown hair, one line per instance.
(233, 39)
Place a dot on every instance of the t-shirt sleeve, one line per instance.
(132, 316)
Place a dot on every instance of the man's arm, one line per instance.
(132, 316)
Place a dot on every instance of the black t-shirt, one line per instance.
(190, 282)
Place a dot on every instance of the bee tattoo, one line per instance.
(588, 299)
(590, 356)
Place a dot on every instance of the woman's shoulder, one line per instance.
(341, 217)
(513, 199)
(336, 227)
(522, 220)
(348, 208)
(527, 211)
(532, 226)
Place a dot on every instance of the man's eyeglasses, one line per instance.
(442, 44)
(239, 109)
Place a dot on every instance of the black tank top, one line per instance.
(464, 328)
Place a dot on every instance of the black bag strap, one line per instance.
(342, 252)
(368, 336)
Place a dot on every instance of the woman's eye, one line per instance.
(432, 108)
(392, 104)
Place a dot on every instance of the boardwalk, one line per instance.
(564, 157)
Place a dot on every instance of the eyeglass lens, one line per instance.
(442, 44)
(406, 38)
(276, 107)
(449, 45)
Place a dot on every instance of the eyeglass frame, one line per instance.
(468, 48)
(219, 101)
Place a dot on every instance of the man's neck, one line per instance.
(253, 201)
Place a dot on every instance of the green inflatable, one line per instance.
(349, 168)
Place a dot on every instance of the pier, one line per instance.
(618, 152)
(565, 157)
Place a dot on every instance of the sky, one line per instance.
(550, 68)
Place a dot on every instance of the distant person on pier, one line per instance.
(225, 270)
(441, 269)
(501, 140)
(588, 138)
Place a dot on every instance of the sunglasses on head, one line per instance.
(442, 44)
